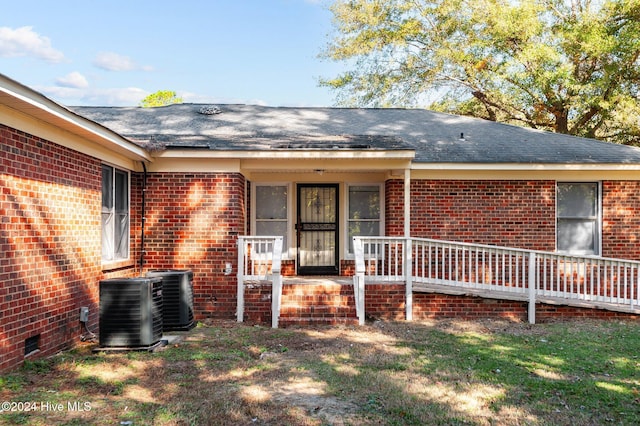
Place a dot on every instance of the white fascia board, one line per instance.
(527, 167)
(526, 171)
(288, 155)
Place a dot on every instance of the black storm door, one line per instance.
(317, 229)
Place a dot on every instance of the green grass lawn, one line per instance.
(391, 373)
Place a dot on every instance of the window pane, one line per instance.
(362, 229)
(122, 191)
(577, 236)
(577, 200)
(273, 228)
(107, 188)
(271, 202)
(364, 202)
(122, 236)
(107, 236)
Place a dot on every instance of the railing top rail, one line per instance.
(503, 248)
(259, 237)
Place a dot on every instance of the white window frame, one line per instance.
(597, 219)
(347, 219)
(108, 242)
(286, 249)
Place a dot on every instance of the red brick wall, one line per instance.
(621, 219)
(387, 301)
(192, 222)
(508, 213)
(49, 243)
(394, 208)
(257, 303)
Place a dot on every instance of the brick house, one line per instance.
(95, 192)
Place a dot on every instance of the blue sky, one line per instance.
(213, 51)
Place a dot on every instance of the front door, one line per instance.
(317, 229)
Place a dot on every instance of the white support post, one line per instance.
(358, 279)
(408, 276)
(532, 287)
(407, 203)
(635, 294)
(407, 247)
(276, 280)
(240, 301)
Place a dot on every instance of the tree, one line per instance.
(160, 98)
(569, 66)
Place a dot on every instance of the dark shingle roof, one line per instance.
(435, 137)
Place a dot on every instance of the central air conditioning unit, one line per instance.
(177, 298)
(130, 312)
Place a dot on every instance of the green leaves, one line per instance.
(160, 98)
(569, 67)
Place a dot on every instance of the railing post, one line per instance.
(240, 301)
(358, 279)
(532, 287)
(408, 276)
(276, 280)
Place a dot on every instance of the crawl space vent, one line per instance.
(31, 345)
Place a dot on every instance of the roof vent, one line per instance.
(210, 110)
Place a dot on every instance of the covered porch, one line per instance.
(318, 194)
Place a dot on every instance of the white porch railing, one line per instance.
(496, 272)
(260, 259)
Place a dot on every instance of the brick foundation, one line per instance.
(332, 304)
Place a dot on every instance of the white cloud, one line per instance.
(126, 96)
(24, 41)
(188, 97)
(73, 80)
(111, 61)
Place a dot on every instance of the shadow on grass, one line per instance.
(384, 373)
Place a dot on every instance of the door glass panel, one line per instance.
(317, 248)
